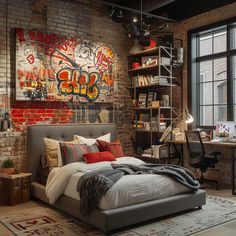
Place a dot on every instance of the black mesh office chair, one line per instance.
(198, 157)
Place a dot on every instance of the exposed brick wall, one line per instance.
(180, 31)
(22, 116)
(13, 146)
(66, 18)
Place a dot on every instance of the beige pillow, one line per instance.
(53, 152)
(92, 141)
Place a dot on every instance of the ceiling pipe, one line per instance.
(154, 4)
(137, 11)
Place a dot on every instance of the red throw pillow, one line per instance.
(94, 157)
(115, 147)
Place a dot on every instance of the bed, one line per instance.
(110, 219)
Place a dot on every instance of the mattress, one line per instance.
(131, 189)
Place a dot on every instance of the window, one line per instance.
(213, 73)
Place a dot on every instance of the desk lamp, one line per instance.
(184, 115)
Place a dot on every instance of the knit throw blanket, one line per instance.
(92, 186)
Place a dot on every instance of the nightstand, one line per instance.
(15, 188)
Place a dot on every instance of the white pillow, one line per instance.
(92, 141)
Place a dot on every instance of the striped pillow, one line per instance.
(72, 152)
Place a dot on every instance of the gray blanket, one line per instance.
(92, 186)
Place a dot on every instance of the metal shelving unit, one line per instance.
(163, 71)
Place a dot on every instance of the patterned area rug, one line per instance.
(46, 221)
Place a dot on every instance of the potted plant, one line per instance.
(8, 167)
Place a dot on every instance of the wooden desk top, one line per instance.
(225, 144)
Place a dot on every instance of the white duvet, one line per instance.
(130, 189)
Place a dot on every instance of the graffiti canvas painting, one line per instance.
(58, 68)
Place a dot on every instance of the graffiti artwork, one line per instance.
(57, 68)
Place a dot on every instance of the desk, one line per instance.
(222, 144)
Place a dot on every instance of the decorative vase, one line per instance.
(8, 171)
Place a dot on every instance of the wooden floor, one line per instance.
(227, 229)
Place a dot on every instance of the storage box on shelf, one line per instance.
(152, 84)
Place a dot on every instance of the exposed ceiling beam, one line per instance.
(151, 5)
(137, 11)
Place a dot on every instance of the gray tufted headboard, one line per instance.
(36, 133)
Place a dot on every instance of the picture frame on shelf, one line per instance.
(142, 100)
(151, 96)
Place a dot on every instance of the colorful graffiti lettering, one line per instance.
(75, 82)
(104, 58)
(36, 74)
(51, 67)
(30, 59)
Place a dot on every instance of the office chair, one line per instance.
(198, 158)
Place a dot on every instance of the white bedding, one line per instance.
(130, 189)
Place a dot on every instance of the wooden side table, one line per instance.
(15, 188)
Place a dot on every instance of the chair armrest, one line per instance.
(214, 155)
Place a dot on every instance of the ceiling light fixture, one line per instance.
(135, 19)
(120, 13)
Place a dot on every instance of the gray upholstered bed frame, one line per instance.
(110, 219)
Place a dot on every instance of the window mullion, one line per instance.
(229, 78)
(198, 81)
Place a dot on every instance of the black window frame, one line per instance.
(193, 96)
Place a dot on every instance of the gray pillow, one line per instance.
(93, 148)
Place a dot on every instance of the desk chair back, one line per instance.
(195, 147)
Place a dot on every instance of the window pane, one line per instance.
(233, 38)
(220, 69)
(206, 115)
(205, 42)
(220, 113)
(219, 41)
(206, 71)
(220, 92)
(206, 93)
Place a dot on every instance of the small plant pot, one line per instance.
(8, 171)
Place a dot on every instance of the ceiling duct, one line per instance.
(144, 13)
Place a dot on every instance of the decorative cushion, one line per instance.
(115, 147)
(71, 152)
(94, 157)
(53, 152)
(92, 141)
(93, 148)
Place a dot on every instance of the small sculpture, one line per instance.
(6, 123)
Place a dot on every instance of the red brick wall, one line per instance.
(68, 18)
(29, 113)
